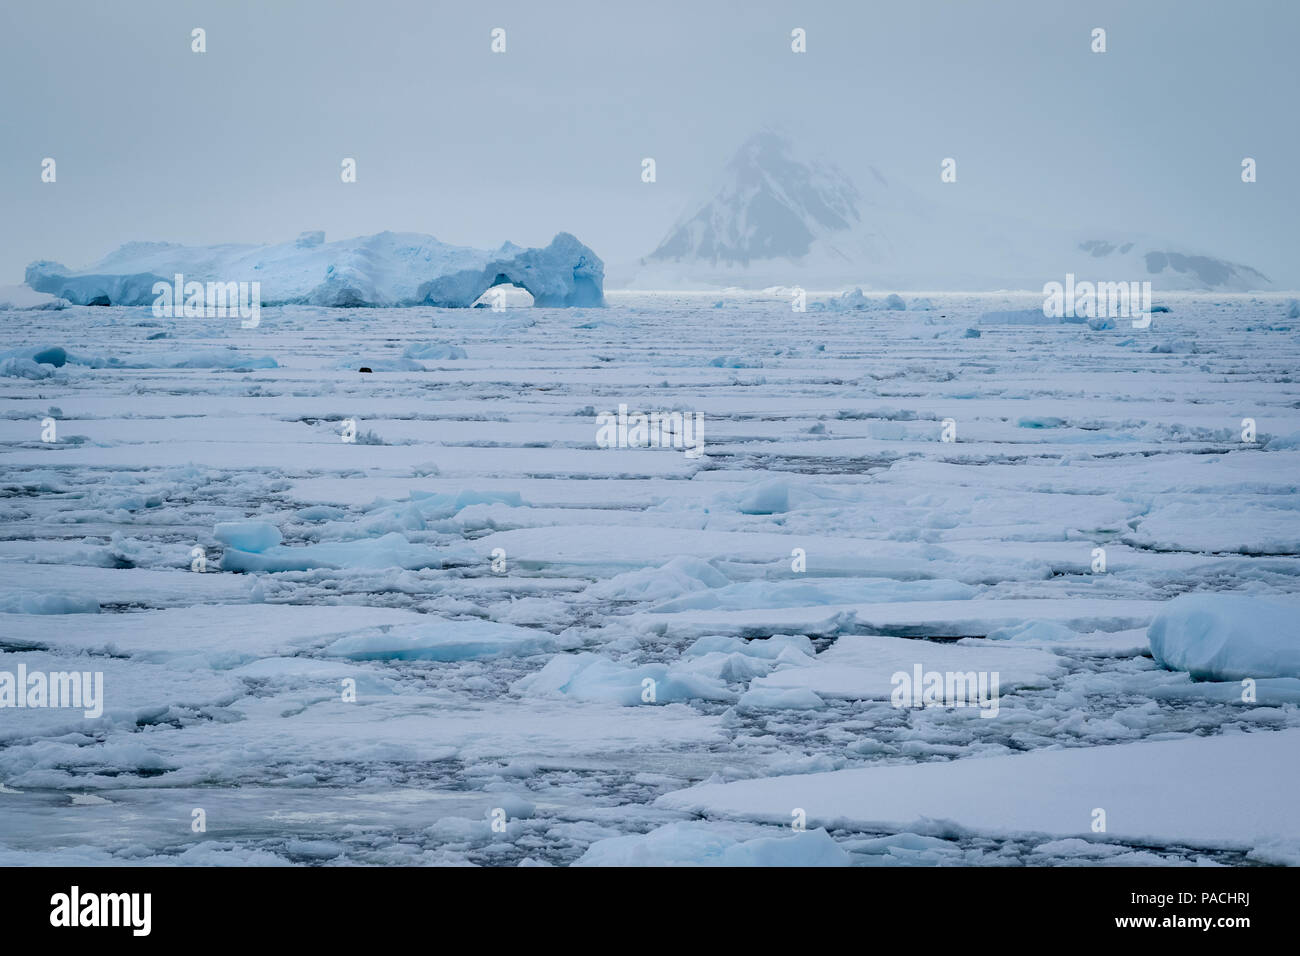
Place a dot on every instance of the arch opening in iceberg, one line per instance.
(504, 293)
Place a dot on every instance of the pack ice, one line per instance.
(474, 635)
(386, 269)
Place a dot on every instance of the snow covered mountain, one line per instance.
(770, 206)
(779, 219)
(387, 269)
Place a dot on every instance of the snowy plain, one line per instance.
(518, 689)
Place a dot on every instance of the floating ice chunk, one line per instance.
(1175, 345)
(734, 659)
(434, 350)
(25, 363)
(17, 367)
(712, 844)
(517, 807)
(1227, 637)
(779, 495)
(728, 667)
(254, 536)
(443, 640)
(776, 698)
(218, 358)
(391, 550)
(1041, 421)
(435, 506)
(1038, 631)
(1075, 848)
(590, 677)
(319, 513)
(768, 498)
(421, 511)
(313, 849)
(846, 302)
(769, 648)
(88, 800)
(537, 611)
(855, 301)
(678, 576)
(914, 846)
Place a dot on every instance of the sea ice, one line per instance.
(1228, 637)
(697, 844)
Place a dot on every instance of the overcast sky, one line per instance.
(244, 142)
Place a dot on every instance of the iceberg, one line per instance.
(383, 270)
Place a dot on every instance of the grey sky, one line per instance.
(244, 142)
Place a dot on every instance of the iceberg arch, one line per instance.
(566, 273)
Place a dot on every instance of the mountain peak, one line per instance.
(771, 204)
